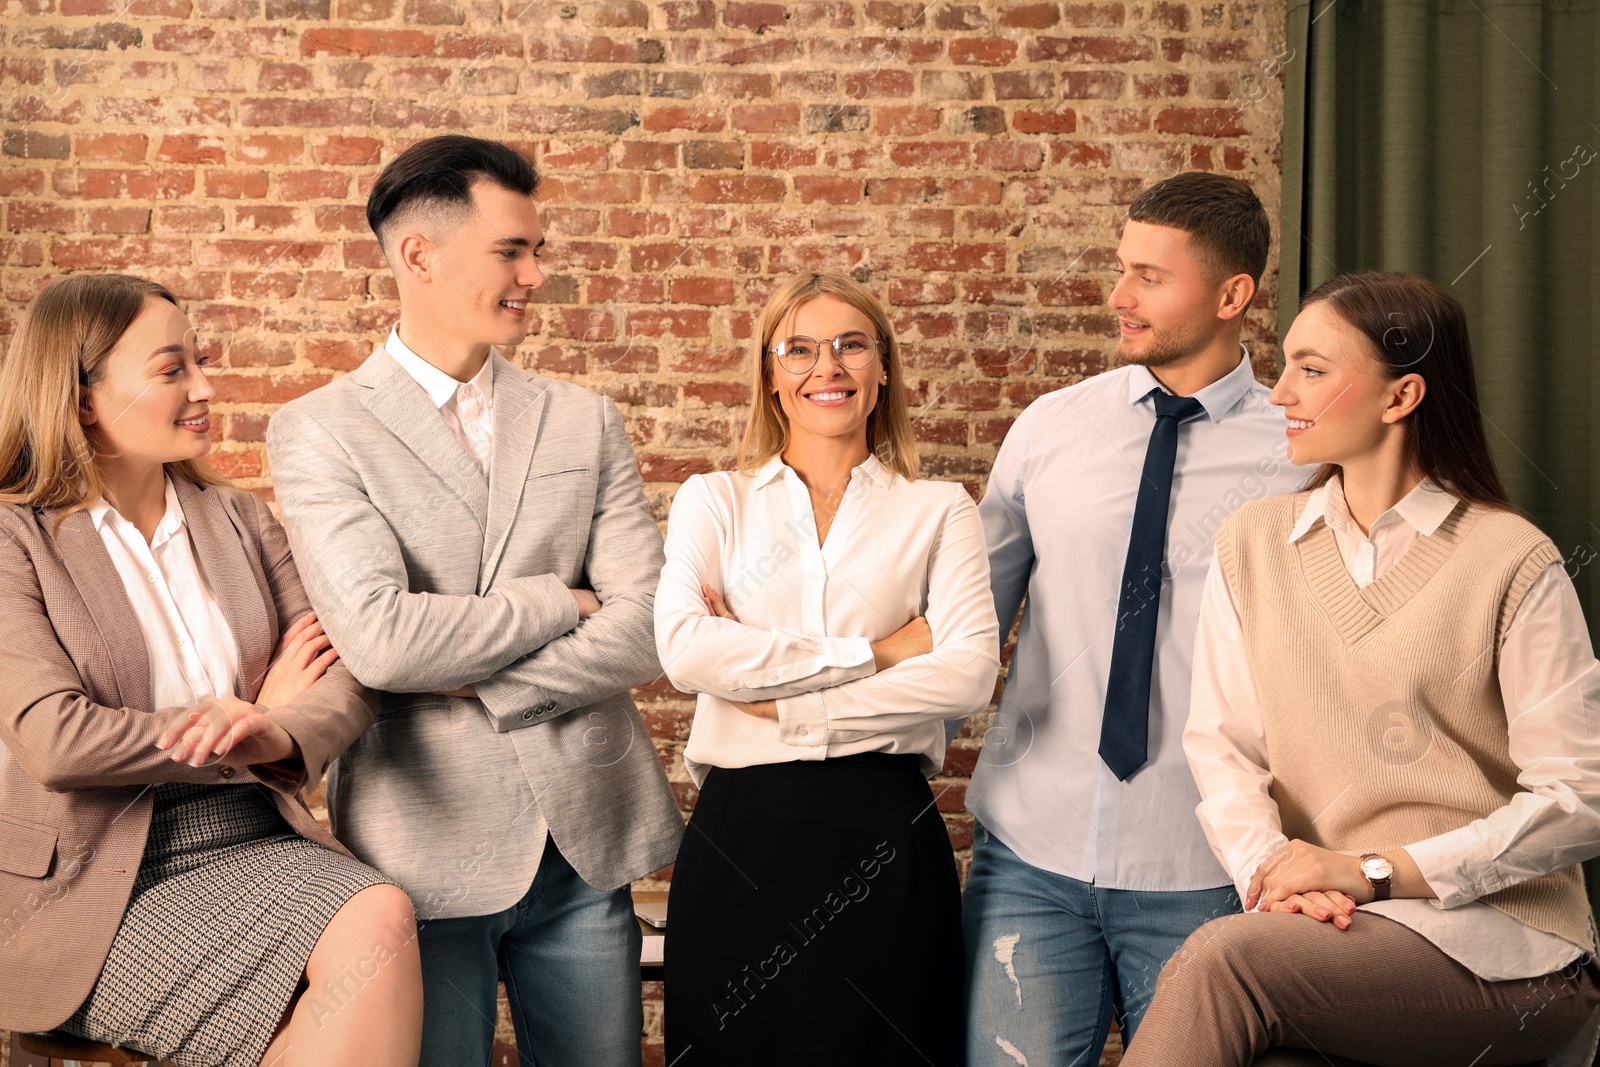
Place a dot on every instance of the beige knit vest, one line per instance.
(1381, 706)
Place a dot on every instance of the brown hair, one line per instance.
(57, 355)
(1222, 216)
(889, 433)
(1414, 326)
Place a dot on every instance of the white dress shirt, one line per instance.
(807, 615)
(466, 407)
(1551, 688)
(1057, 515)
(192, 652)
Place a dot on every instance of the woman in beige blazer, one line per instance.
(167, 692)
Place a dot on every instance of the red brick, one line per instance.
(767, 118)
(118, 220)
(266, 218)
(983, 51)
(699, 119)
(189, 148)
(914, 291)
(1064, 120)
(25, 216)
(689, 14)
(236, 184)
(348, 151)
(236, 388)
(1091, 50)
(346, 42)
(944, 155)
(117, 253)
(827, 190)
(861, 85)
(757, 18)
(708, 291)
(1200, 121)
(1030, 16)
(110, 147)
(624, 289)
(106, 184)
(781, 156)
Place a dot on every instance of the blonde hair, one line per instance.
(889, 433)
(57, 355)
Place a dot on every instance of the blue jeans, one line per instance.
(1050, 958)
(569, 956)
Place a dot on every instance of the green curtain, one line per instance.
(1460, 140)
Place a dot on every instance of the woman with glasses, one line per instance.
(831, 611)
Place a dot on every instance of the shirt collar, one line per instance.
(440, 387)
(171, 522)
(1424, 508)
(871, 468)
(1220, 398)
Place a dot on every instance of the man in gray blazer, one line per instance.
(476, 542)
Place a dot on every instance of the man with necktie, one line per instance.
(1089, 867)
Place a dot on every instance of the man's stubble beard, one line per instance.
(1165, 348)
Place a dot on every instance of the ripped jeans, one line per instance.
(1050, 958)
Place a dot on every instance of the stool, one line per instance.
(59, 1045)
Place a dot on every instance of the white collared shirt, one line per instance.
(1057, 515)
(806, 615)
(466, 407)
(192, 652)
(1550, 684)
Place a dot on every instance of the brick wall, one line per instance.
(970, 162)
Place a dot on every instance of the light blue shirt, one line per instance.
(1057, 517)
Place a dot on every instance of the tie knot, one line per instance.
(1181, 408)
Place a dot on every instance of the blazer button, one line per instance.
(225, 771)
(803, 731)
(527, 714)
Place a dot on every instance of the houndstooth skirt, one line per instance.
(227, 906)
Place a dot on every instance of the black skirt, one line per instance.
(815, 918)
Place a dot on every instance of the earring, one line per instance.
(885, 379)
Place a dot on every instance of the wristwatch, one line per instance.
(1378, 872)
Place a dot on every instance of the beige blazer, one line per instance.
(79, 732)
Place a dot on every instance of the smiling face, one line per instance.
(1339, 402)
(151, 404)
(831, 400)
(479, 265)
(1166, 297)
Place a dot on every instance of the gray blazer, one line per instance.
(428, 578)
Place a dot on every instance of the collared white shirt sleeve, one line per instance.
(1551, 690)
(1226, 742)
(191, 647)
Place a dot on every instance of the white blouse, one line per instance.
(191, 646)
(806, 616)
(1550, 684)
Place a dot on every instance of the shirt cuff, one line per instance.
(1449, 863)
(802, 720)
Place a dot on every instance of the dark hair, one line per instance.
(440, 172)
(1416, 327)
(1222, 215)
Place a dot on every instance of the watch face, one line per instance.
(1376, 868)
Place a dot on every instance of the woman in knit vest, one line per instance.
(1393, 732)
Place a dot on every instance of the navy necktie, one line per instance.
(1125, 729)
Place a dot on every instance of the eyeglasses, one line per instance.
(852, 350)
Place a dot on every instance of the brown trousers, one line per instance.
(1244, 986)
